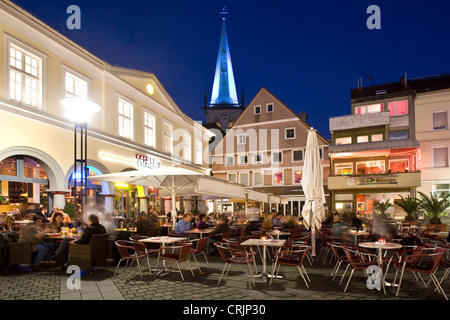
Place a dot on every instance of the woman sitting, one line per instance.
(57, 223)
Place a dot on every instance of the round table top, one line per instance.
(376, 245)
(359, 232)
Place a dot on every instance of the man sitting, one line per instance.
(184, 224)
(61, 256)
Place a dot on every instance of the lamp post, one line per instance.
(79, 110)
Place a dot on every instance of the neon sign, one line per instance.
(371, 164)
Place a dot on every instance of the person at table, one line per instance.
(43, 213)
(184, 224)
(355, 221)
(35, 233)
(252, 224)
(66, 217)
(277, 221)
(141, 216)
(291, 222)
(223, 226)
(61, 256)
(153, 219)
(57, 223)
(142, 224)
(329, 219)
(202, 224)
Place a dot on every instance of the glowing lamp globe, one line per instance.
(79, 110)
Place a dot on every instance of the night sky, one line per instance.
(307, 53)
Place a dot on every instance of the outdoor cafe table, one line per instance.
(22, 223)
(200, 231)
(357, 233)
(163, 241)
(380, 247)
(264, 243)
(278, 233)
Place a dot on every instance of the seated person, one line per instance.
(291, 223)
(57, 223)
(66, 217)
(329, 219)
(142, 225)
(154, 221)
(355, 221)
(277, 221)
(184, 224)
(61, 256)
(222, 227)
(202, 223)
(253, 224)
(35, 233)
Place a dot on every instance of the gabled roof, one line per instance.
(287, 114)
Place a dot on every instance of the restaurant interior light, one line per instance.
(121, 185)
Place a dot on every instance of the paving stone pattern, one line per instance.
(236, 285)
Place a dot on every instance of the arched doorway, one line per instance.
(95, 188)
(23, 183)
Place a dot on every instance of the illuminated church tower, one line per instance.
(224, 107)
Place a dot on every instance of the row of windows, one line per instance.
(395, 108)
(440, 117)
(277, 178)
(394, 135)
(258, 158)
(269, 108)
(289, 133)
(25, 86)
(372, 167)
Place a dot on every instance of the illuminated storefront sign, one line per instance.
(146, 162)
(371, 164)
(372, 181)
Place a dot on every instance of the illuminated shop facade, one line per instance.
(374, 156)
(139, 125)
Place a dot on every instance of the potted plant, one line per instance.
(410, 206)
(383, 207)
(435, 205)
(69, 208)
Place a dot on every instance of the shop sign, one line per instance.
(294, 190)
(146, 162)
(371, 164)
(372, 181)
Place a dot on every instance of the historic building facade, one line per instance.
(139, 124)
(265, 151)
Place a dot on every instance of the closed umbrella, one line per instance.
(313, 211)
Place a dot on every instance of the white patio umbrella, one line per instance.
(313, 211)
(173, 181)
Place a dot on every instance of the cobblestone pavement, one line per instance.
(128, 285)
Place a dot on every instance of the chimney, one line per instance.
(303, 115)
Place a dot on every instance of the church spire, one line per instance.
(224, 87)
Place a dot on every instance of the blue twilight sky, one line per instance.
(307, 53)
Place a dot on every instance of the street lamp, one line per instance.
(79, 110)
